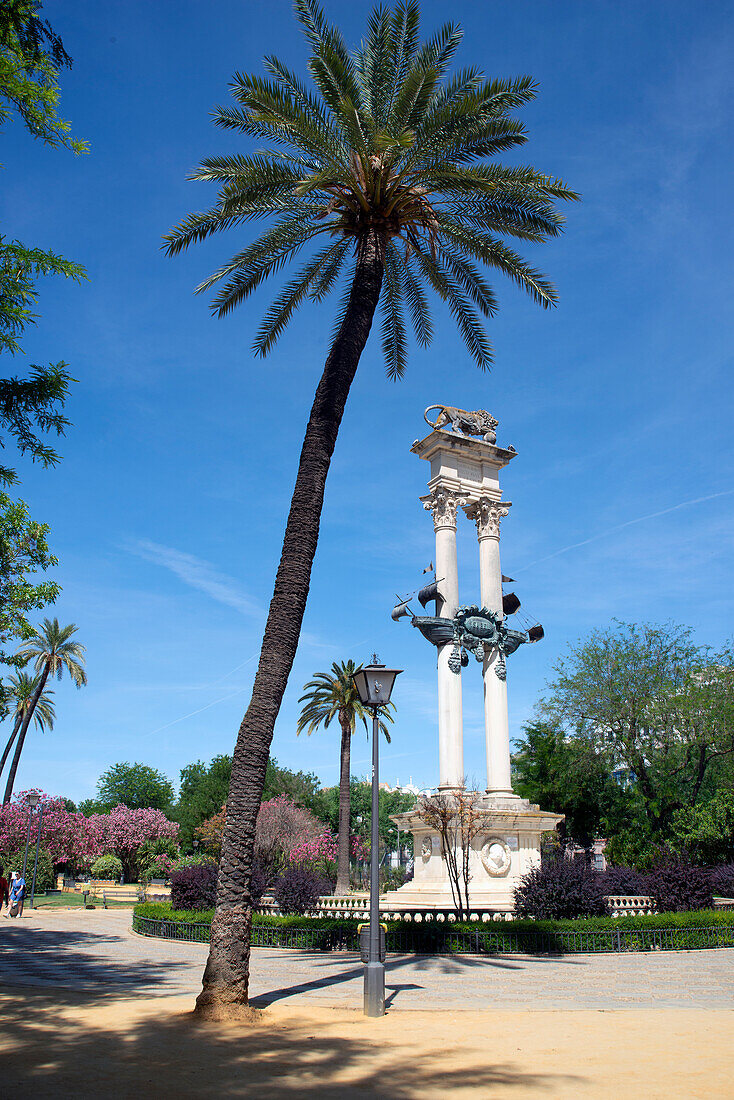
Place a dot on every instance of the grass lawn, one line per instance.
(74, 901)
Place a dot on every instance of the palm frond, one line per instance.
(394, 342)
(291, 297)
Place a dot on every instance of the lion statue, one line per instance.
(478, 422)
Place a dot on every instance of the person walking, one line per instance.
(17, 895)
(4, 896)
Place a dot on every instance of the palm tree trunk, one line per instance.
(23, 731)
(224, 992)
(342, 857)
(6, 750)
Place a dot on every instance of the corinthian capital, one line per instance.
(443, 505)
(487, 514)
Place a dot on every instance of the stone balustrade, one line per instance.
(356, 906)
(633, 904)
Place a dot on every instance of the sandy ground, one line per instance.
(70, 1043)
(87, 1009)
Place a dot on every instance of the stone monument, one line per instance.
(464, 478)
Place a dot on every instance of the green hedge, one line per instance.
(698, 919)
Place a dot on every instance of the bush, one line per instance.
(44, 871)
(722, 881)
(678, 886)
(194, 887)
(107, 866)
(624, 880)
(298, 890)
(560, 888)
(156, 858)
(202, 860)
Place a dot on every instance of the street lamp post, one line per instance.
(33, 799)
(35, 863)
(374, 685)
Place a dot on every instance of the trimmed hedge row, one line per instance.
(701, 919)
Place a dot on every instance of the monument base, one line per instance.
(506, 845)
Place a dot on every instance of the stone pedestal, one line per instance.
(506, 847)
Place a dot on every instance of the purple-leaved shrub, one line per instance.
(298, 890)
(560, 888)
(194, 887)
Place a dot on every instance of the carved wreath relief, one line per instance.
(496, 856)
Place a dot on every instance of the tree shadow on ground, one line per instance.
(68, 958)
(451, 966)
(51, 1045)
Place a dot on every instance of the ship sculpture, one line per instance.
(472, 629)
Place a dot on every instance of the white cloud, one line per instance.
(199, 574)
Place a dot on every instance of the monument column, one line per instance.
(443, 504)
(487, 514)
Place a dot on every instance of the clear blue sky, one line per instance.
(168, 510)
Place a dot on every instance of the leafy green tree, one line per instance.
(569, 775)
(660, 707)
(52, 650)
(706, 831)
(31, 58)
(137, 786)
(303, 788)
(22, 689)
(24, 552)
(203, 792)
(384, 173)
(334, 695)
(360, 812)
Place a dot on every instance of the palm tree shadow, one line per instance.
(48, 1049)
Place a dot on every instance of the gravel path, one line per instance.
(96, 950)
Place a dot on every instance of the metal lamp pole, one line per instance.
(374, 685)
(38, 845)
(374, 971)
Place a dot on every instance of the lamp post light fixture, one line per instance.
(33, 799)
(374, 685)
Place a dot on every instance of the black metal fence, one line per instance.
(426, 940)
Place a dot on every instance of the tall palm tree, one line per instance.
(51, 649)
(387, 161)
(328, 696)
(22, 690)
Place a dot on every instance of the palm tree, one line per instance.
(22, 690)
(331, 695)
(51, 649)
(387, 162)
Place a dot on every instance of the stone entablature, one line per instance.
(469, 467)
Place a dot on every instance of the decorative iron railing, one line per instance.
(429, 940)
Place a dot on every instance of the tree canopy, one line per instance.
(136, 786)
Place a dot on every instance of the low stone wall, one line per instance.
(624, 904)
(356, 907)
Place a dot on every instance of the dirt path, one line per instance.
(87, 1009)
(56, 1043)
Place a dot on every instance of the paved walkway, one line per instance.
(95, 950)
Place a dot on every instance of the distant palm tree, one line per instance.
(51, 650)
(328, 696)
(22, 690)
(384, 177)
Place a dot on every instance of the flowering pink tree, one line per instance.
(321, 852)
(77, 841)
(68, 837)
(281, 825)
(124, 830)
